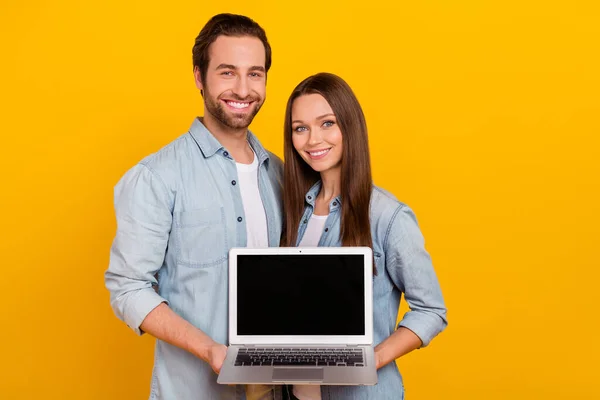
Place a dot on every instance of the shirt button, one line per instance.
(305, 221)
(335, 203)
(326, 229)
(239, 219)
(309, 197)
(225, 153)
(233, 182)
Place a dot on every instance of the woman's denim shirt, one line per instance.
(403, 266)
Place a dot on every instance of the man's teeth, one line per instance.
(318, 153)
(235, 104)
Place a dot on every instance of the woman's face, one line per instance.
(315, 133)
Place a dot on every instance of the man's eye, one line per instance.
(228, 73)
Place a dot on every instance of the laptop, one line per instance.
(300, 315)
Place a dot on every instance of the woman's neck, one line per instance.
(331, 184)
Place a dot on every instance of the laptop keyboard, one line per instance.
(294, 356)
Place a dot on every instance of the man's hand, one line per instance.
(216, 356)
(164, 324)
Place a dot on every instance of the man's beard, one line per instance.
(217, 109)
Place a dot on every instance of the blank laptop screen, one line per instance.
(300, 294)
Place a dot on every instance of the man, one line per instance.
(180, 210)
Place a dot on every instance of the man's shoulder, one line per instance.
(275, 160)
(167, 162)
(275, 169)
(166, 155)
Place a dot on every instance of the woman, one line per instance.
(330, 200)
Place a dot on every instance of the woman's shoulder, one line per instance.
(384, 202)
(387, 213)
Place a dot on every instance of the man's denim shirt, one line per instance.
(179, 211)
(403, 266)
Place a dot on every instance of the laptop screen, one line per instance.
(292, 294)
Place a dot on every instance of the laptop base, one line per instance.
(361, 374)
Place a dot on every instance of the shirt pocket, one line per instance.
(201, 237)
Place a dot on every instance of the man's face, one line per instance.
(235, 83)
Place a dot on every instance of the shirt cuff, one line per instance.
(139, 304)
(425, 326)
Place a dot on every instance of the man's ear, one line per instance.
(198, 79)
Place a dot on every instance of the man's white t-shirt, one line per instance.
(311, 238)
(254, 210)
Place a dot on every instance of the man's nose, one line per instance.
(241, 87)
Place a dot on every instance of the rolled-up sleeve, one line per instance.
(143, 207)
(411, 270)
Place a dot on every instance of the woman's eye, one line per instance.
(327, 124)
(300, 129)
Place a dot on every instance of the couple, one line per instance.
(180, 210)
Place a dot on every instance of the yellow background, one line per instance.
(484, 117)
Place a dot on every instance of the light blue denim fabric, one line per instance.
(403, 266)
(179, 211)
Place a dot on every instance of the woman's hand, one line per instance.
(399, 343)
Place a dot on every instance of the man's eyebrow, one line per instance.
(226, 66)
(231, 66)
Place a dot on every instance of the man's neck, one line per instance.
(234, 140)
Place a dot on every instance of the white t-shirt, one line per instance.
(254, 210)
(313, 231)
(311, 238)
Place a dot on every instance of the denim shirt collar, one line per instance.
(209, 145)
(313, 192)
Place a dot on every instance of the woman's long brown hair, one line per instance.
(356, 180)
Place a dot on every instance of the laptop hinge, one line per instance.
(352, 345)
